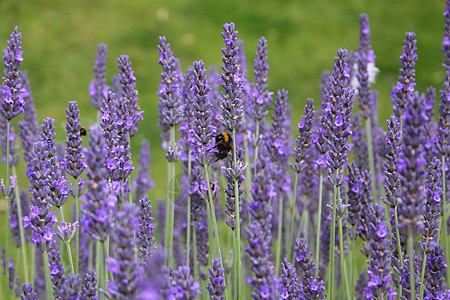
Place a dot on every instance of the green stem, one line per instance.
(77, 233)
(319, 218)
(105, 248)
(353, 263)
(333, 239)
(171, 199)
(213, 215)
(280, 232)
(7, 229)
(21, 229)
(69, 252)
(194, 252)
(248, 172)
(233, 273)
(100, 268)
(370, 155)
(422, 275)
(294, 209)
(343, 266)
(412, 281)
(397, 234)
(167, 219)
(238, 221)
(188, 227)
(48, 282)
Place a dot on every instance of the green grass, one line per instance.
(60, 41)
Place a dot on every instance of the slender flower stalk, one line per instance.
(365, 56)
(260, 97)
(232, 114)
(337, 122)
(169, 117)
(11, 105)
(302, 157)
(74, 161)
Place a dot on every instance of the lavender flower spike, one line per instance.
(312, 287)
(88, 288)
(406, 81)
(289, 282)
(28, 293)
(74, 157)
(56, 273)
(12, 93)
(203, 129)
(99, 204)
(98, 86)
(145, 234)
(216, 286)
(230, 80)
(169, 92)
(143, 183)
(185, 287)
(124, 266)
(129, 95)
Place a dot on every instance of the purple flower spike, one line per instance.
(304, 142)
(406, 80)
(231, 81)
(392, 149)
(379, 273)
(364, 57)
(336, 119)
(129, 95)
(143, 183)
(312, 287)
(169, 93)
(74, 157)
(124, 266)
(216, 286)
(203, 129)
(185, 287)
(12, 93)
(13, 146)
(145, 234)
(56, 273)
(411, 166)
(98, 203)
(28, 127)
(40, 219)
(435, 271)
(88, 288)
(98, 87)
(289, 282)
(28, 293)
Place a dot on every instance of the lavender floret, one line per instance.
(290, 282)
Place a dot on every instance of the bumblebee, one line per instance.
(224, 145)
(83, 131)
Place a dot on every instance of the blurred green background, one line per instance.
(60, 43)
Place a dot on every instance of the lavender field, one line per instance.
(350, 206)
